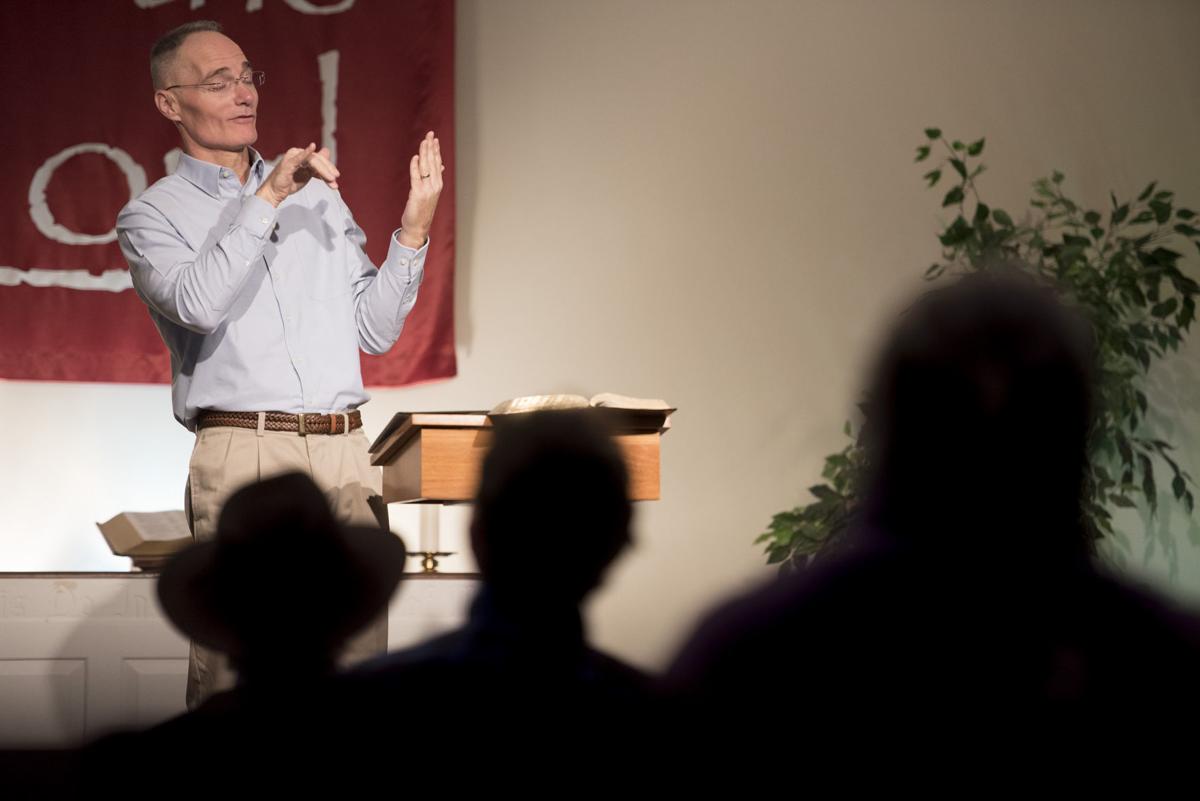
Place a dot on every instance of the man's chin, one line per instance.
(234, 144)
(243, 135)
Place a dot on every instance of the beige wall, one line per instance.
(715, 203)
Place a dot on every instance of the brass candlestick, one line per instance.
(429, 559)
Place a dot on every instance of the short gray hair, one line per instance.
(163, 53)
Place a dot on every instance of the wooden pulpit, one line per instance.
(435, 457)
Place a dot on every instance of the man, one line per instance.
(964, 617)
(262, 292)
(279, 730)
(551, 515)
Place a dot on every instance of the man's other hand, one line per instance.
(297, 167)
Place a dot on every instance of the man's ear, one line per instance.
(168, 105)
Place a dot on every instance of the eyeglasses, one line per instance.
(255, 78)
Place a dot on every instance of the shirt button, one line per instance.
(404, 262)
(224, 173)
(264, 220)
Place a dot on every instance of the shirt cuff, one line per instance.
(411, 263)
(395, 241)
(257, 216)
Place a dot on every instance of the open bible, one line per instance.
(620, 411)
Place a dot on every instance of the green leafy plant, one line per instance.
(1119, 266)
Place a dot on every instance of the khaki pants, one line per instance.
(226, 459)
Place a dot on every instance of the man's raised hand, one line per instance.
(425, 174)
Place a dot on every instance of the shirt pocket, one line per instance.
(328, 290)
(310, 252)
(324, 272)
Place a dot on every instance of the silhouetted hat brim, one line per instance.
(196, 594)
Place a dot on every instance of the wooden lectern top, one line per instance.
(436, 457)
(405, 425)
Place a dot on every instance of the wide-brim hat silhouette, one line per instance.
(281, 570)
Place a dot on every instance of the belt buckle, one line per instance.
(302, 430)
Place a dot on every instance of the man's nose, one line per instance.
(244, 94)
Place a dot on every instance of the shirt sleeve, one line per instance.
(383, 297)
(192, 288)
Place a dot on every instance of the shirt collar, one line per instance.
(206, 176)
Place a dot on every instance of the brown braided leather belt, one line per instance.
(302, 424)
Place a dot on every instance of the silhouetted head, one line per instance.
(978, 418)
(552, 510)
(282, 581)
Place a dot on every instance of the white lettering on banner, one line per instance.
(39, 209)
(306, 7)
(152, 3)
(107, 281)
(327, 66)
(303, 6)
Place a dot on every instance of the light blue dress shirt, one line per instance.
(262, 308)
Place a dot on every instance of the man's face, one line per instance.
(224, 120)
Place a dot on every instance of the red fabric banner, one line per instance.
(366, 78)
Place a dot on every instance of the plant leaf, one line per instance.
(975, 148)
(824, 493)
(958, 232)
(1148, 487)
(955, 195)
(1164, 308)
(1162, 211)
